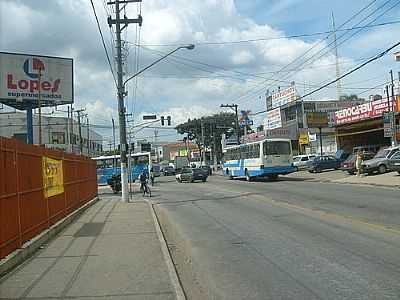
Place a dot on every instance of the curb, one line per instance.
(20, 255)
(173, 274)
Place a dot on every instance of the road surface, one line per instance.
(289, 239)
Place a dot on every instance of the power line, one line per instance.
(344, 75)
(104, 44)
(275, 38)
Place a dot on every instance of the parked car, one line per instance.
(323, 162)
(394, 162)
(169, 171)
(191, 174)
(349, 165)
(300, 161)
(380, 162)
(207, 169)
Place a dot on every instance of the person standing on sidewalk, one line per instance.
(359, 160)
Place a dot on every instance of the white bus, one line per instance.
(266, 158)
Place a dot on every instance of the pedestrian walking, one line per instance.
(359, 160)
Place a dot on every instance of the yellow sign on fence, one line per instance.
(53, 180)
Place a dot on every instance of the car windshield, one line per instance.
(297, 158)
(350, 158)
(382, 153)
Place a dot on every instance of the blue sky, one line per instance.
(194, 83)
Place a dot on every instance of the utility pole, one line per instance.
(113, 132)
(121, 89)
(234, 107)
(338, 83)
(393, 116)
(40, 106)
(88, 136)
(79, 111)
(202, 142)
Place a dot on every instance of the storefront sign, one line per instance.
(53, 180)
(283, 97)
(317, 119)
(303, 138)
(363, 111)
(274, 119)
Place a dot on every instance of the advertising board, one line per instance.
(317, 119)
(283, 97)
(53, 180)
(274, 119)
(368, 110)
(23, 76)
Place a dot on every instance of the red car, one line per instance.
(349, 165)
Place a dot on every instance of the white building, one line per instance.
(57, 133)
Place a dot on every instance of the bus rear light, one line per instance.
(262, 167)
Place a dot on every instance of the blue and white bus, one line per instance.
(266, 158)
(111, 164)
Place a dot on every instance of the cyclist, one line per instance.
(143, 183)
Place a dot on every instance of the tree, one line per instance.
(213, 128)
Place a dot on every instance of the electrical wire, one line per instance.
(274, 38)
(104, 44)
(344, 75)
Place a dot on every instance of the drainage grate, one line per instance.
(90, 229)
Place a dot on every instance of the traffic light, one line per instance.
(169, 120)
(162, 120)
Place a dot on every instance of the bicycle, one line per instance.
(146, 189)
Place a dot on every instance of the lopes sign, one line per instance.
(363, 111)
(22, 76)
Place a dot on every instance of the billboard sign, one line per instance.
(317, 119)
(283, 97)
(368, 110)
(274, 119)
(22, 76)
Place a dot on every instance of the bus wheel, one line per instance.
(248, 177)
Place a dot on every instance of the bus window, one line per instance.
(276, 148)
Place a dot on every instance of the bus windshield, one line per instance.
(276, 148)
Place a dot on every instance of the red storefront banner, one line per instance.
(368, 110)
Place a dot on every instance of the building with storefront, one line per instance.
(57, 133)
(365, 125)
(292, 118)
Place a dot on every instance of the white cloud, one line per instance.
(242, 57)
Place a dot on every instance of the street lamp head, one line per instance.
(189, 47)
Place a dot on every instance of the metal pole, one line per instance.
(121, 107)
(40, 106)
(80, 132)
(394, 129)
(320, 139)
(88, 137)
(72, 130)
(29, 124)
(113, 132)
(202, 142)
(67, 129)
(388, 103)
(237, 124)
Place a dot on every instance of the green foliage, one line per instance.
(213, 128)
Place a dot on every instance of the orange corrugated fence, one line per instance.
(39, 187)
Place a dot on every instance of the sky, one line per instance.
(243, 49)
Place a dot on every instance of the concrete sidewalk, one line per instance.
(391, 179)
(111, 252)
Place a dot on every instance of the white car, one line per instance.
(300, 161)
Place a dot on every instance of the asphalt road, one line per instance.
(289, 239)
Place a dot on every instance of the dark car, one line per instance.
(168, 171)
(380, 162)
(349, 165)
(207, 169)
(324, 162)
(191, 174)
